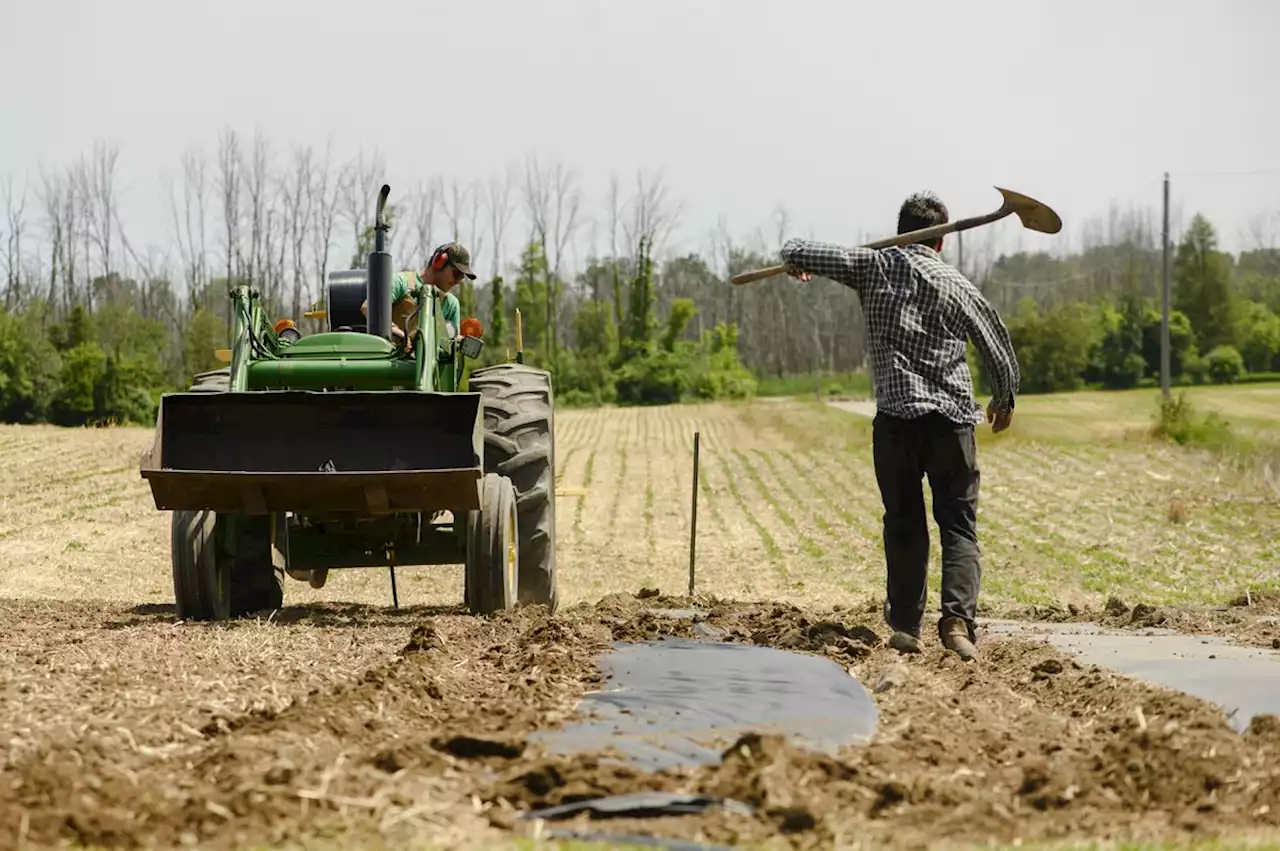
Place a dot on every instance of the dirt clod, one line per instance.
(1047, 667)
(1116, 607)
(473, 747)
(424, 638)
(1144, 615)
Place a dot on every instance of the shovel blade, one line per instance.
(1034, 215)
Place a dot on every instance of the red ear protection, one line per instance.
(439, 259)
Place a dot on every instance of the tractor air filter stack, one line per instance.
(380, 274)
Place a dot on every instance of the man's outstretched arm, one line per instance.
(989, 334)
(852, 267)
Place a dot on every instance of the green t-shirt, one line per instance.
(401, 283)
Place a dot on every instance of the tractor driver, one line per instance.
(445, 270)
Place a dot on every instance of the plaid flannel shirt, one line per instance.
(920, 313)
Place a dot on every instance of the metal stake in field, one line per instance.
(395, 597)
(1164, 296)
(693, 524)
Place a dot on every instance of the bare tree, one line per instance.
(188, 219)
(464, 203)
(149, 277)
(615, 222)
(426, 200)
(325, 194)
(476, 231)
(455, 203)
(360, 180)
(553, 200)
(299, 186)
(653, 214)
(1262, 231)
(259, 235)
(84, 212)
(500, 211)
(229, 179)
(71, 222)
(15, 221)
(52, 195)
(97, 190)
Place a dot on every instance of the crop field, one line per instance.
(339, 721)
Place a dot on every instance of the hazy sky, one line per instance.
(836, 109)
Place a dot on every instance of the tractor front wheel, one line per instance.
(222, 565)
(493, 548)
(222, 562)
(201, 579)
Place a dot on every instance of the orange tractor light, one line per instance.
(286, 329)
(472, 327)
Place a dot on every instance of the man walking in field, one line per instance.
(920, 312)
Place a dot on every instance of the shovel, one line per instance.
(1034, 215)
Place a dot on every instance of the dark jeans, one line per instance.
(905, 451)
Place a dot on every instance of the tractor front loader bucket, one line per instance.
(304, 451)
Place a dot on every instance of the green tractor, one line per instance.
(348, 449)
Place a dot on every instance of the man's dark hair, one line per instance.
(922, 210)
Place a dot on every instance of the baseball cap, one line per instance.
(459, 258)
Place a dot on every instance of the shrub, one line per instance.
(1225, 364)
(1178, 421)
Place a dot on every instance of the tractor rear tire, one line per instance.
(214, 381)
(222, 562)
(493, 554)
(519, 443)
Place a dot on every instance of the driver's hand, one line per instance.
(798, 273)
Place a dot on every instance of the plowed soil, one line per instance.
(341, 722)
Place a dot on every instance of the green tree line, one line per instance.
(1224, 321)
(93, 327)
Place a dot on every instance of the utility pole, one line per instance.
(1164, 309)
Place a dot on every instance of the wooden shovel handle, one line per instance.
(889, 242)
(758, 274)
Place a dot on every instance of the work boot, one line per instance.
(955, 637)
(901, 640)
(318, 577)
(904, 642)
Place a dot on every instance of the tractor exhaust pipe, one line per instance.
(379, 293)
